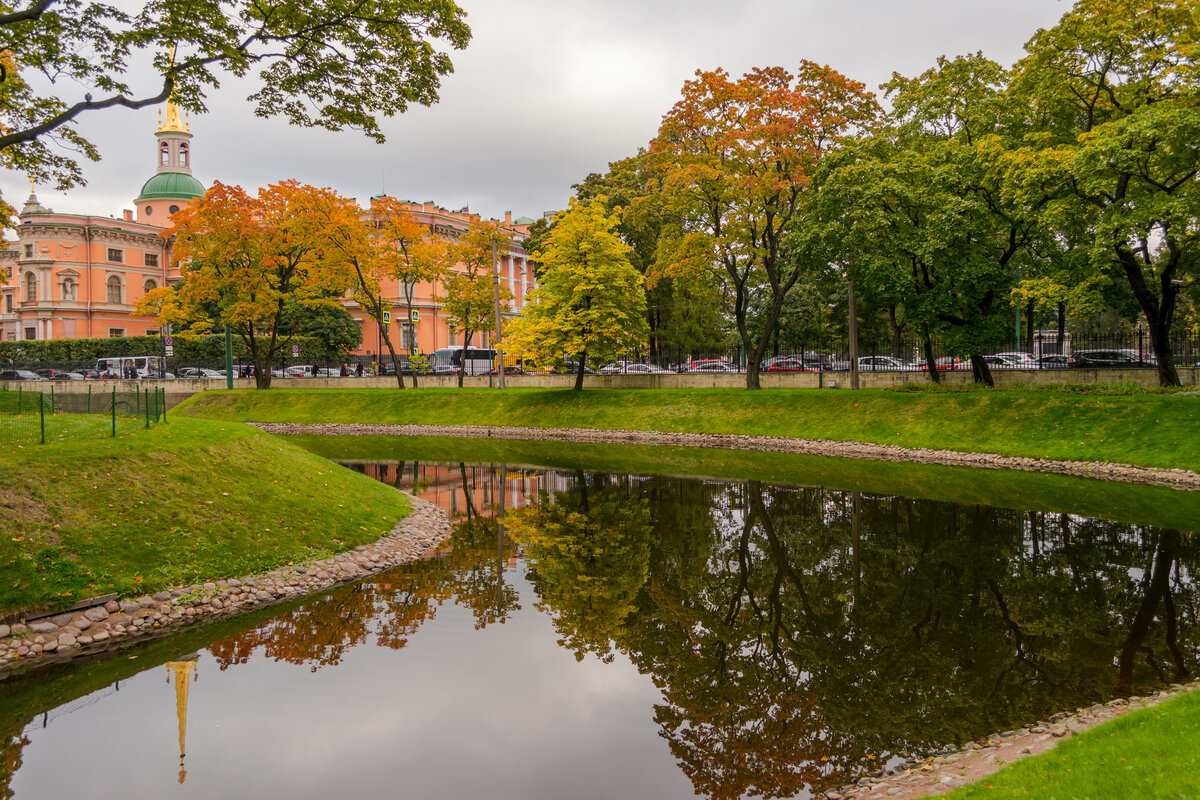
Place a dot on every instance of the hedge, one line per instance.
(201, 349)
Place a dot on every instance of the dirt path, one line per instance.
(1127, 473)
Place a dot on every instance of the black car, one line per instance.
(20, 375)
(1113, 358)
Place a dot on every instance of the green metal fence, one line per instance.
(35, 417)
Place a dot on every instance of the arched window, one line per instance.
(68, 289)
(164, 154)
(30, 287)
(149, 286)
(114, 290)
(183, 154)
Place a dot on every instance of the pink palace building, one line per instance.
(73, 276)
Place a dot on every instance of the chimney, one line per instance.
(508, 218)
(128, 215)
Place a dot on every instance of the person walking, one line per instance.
(358, 371)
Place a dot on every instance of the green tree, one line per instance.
(328, 325)
(589, 301)
(1113, 91)
(333, 64)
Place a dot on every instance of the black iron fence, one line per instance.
(37, 417)
(1044, 350)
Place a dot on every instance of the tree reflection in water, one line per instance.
(798, 636)
(802, 636)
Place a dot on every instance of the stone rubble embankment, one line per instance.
(70, 634)
(952, 767)
(1126, 473)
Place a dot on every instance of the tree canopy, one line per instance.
(333, 64)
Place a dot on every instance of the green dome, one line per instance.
(172, 185)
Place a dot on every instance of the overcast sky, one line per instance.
(548, 91)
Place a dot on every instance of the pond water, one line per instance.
(599, 635)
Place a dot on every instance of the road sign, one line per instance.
(387, 318)
(169, 341)
(416, 316)
(170, 351)
(295, 350)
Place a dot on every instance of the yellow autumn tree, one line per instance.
(469, 264)
(590, 300)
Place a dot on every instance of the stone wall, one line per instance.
(179, 390)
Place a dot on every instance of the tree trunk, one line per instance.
(392, 351)
(853, 331)
(980, 368)
(1156, 587)
(412, 339)
(579, 372)
(462, 360)
(1029, 327)
(1159, 311)
(927, 346)
(1062, 329)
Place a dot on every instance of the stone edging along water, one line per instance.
(64, 636)
(1127, 473)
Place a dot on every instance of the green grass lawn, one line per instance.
(1150, 753)
(1159, 430)
(180, 503)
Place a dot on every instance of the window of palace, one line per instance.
(68, 288)
(150, 259)
(164, 154)
(116, 255)
(30, 287)
(172, 209)
(30, 333)
(183, 154)
(149, 286)
(116, 333)
(114, 290)
(8, 303)
(29, 251)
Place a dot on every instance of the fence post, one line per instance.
(20, 397)
(114, 412)
(164, 404)
(147, 409)
(89, 399)
(42, 414)
(51, 400)
(137, 402)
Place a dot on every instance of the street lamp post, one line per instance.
(496, 299)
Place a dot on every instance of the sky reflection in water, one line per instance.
(638, 637)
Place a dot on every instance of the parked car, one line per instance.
(1114, 358)
(632, 368)
(1019, 360)
(298, 371)
(20, 375)
(711, 365)
(67, 376)
(200, 373)
(883, 364)
(570, 368)
(806, 362)
(1055, 361)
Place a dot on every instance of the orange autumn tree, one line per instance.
(401, 250)
(245, 259)
(469, 266)
(737, 158)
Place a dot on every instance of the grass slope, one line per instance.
(1127, 502)
(1146, 753)
(181, 503)
(1148, 430)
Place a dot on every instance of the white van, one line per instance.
(146, 366)
(449, 360)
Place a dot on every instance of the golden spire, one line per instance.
(183, 671)
(176, 122)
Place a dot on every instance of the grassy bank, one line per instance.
(1157, 430)
(1146, 753)
(181, 503)
(1126, 502)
